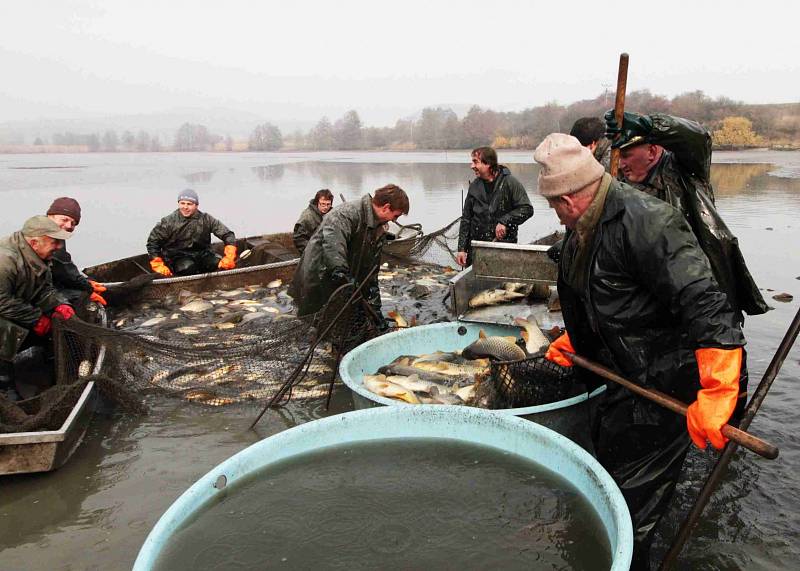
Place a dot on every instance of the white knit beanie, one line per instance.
(566, 166)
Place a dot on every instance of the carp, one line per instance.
(493, 297)
(380, 386)
(535, 340)
(500, 348)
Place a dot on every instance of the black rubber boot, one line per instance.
(7, 386)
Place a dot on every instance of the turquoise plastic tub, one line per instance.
(569, 417)
(501, 431)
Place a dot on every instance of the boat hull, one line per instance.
(29, 452)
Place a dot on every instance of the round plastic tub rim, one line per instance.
(478, 426)
(348, 365)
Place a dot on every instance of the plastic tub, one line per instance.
(501, 431)
(569, 417)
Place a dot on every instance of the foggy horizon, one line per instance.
(91, 60)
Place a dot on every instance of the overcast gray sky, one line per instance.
(300, 59)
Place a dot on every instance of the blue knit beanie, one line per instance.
(190, 195)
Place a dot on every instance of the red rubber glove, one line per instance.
(554, 353)
(719, 376)
(229, 261)
(97, 286)
(63, 311)
(42, 326)
(158, 266)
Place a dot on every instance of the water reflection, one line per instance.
(199, 177)
(269, 172)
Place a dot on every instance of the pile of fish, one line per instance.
(229, 346)
(458, 377)
(189, 313)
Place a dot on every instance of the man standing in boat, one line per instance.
(495, 206)
(345, 249)
(28, 300)
(591, 132)
(67, 278)
(638, 296)
(311, 218)
(670, 158)
(180, 244)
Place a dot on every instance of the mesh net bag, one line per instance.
(531, 381)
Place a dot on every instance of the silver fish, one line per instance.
(197, 306)
(535, 340)
(493, 297)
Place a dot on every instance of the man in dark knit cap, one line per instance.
(180, 243)
(67, 278)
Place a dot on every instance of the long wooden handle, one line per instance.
(741, 437)
(619, 105)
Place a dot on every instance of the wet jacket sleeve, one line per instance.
(222, 232)
(521, 208)
(303, 230)
(465, 225)
(687, 140)
(13, 308)
(158, 237)
(66, 274)
(300, 237)
(335, 240)
(670, 262)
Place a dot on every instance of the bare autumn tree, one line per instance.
(347, 132)
(265, 137)
(321, 136)
(193, 138)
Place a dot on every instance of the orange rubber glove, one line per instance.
(554, 353)
(229, 261)
(719, 376)
(97, 298)
(158, 266)
(42, 326)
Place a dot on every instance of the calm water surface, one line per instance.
(395, 504)
(95, 512)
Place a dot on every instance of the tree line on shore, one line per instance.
(733, 125)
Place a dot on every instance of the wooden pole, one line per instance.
(718, 472)
(619, 106)
(741, 437)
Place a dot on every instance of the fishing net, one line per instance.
(75, 362)
(228, 339)
(223, 347)
(530, 382)
(437, 248)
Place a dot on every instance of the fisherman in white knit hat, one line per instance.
(638, 296)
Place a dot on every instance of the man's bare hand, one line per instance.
(500, 231)
(461, 259)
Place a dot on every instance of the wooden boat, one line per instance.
(42, 451)
(271, 257)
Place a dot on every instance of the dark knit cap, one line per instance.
(66, 206)
(190, 195)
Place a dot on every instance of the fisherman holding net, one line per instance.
(67, 278)
(344, 252)
(28, 300)
(180, 244)
(638, 296)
